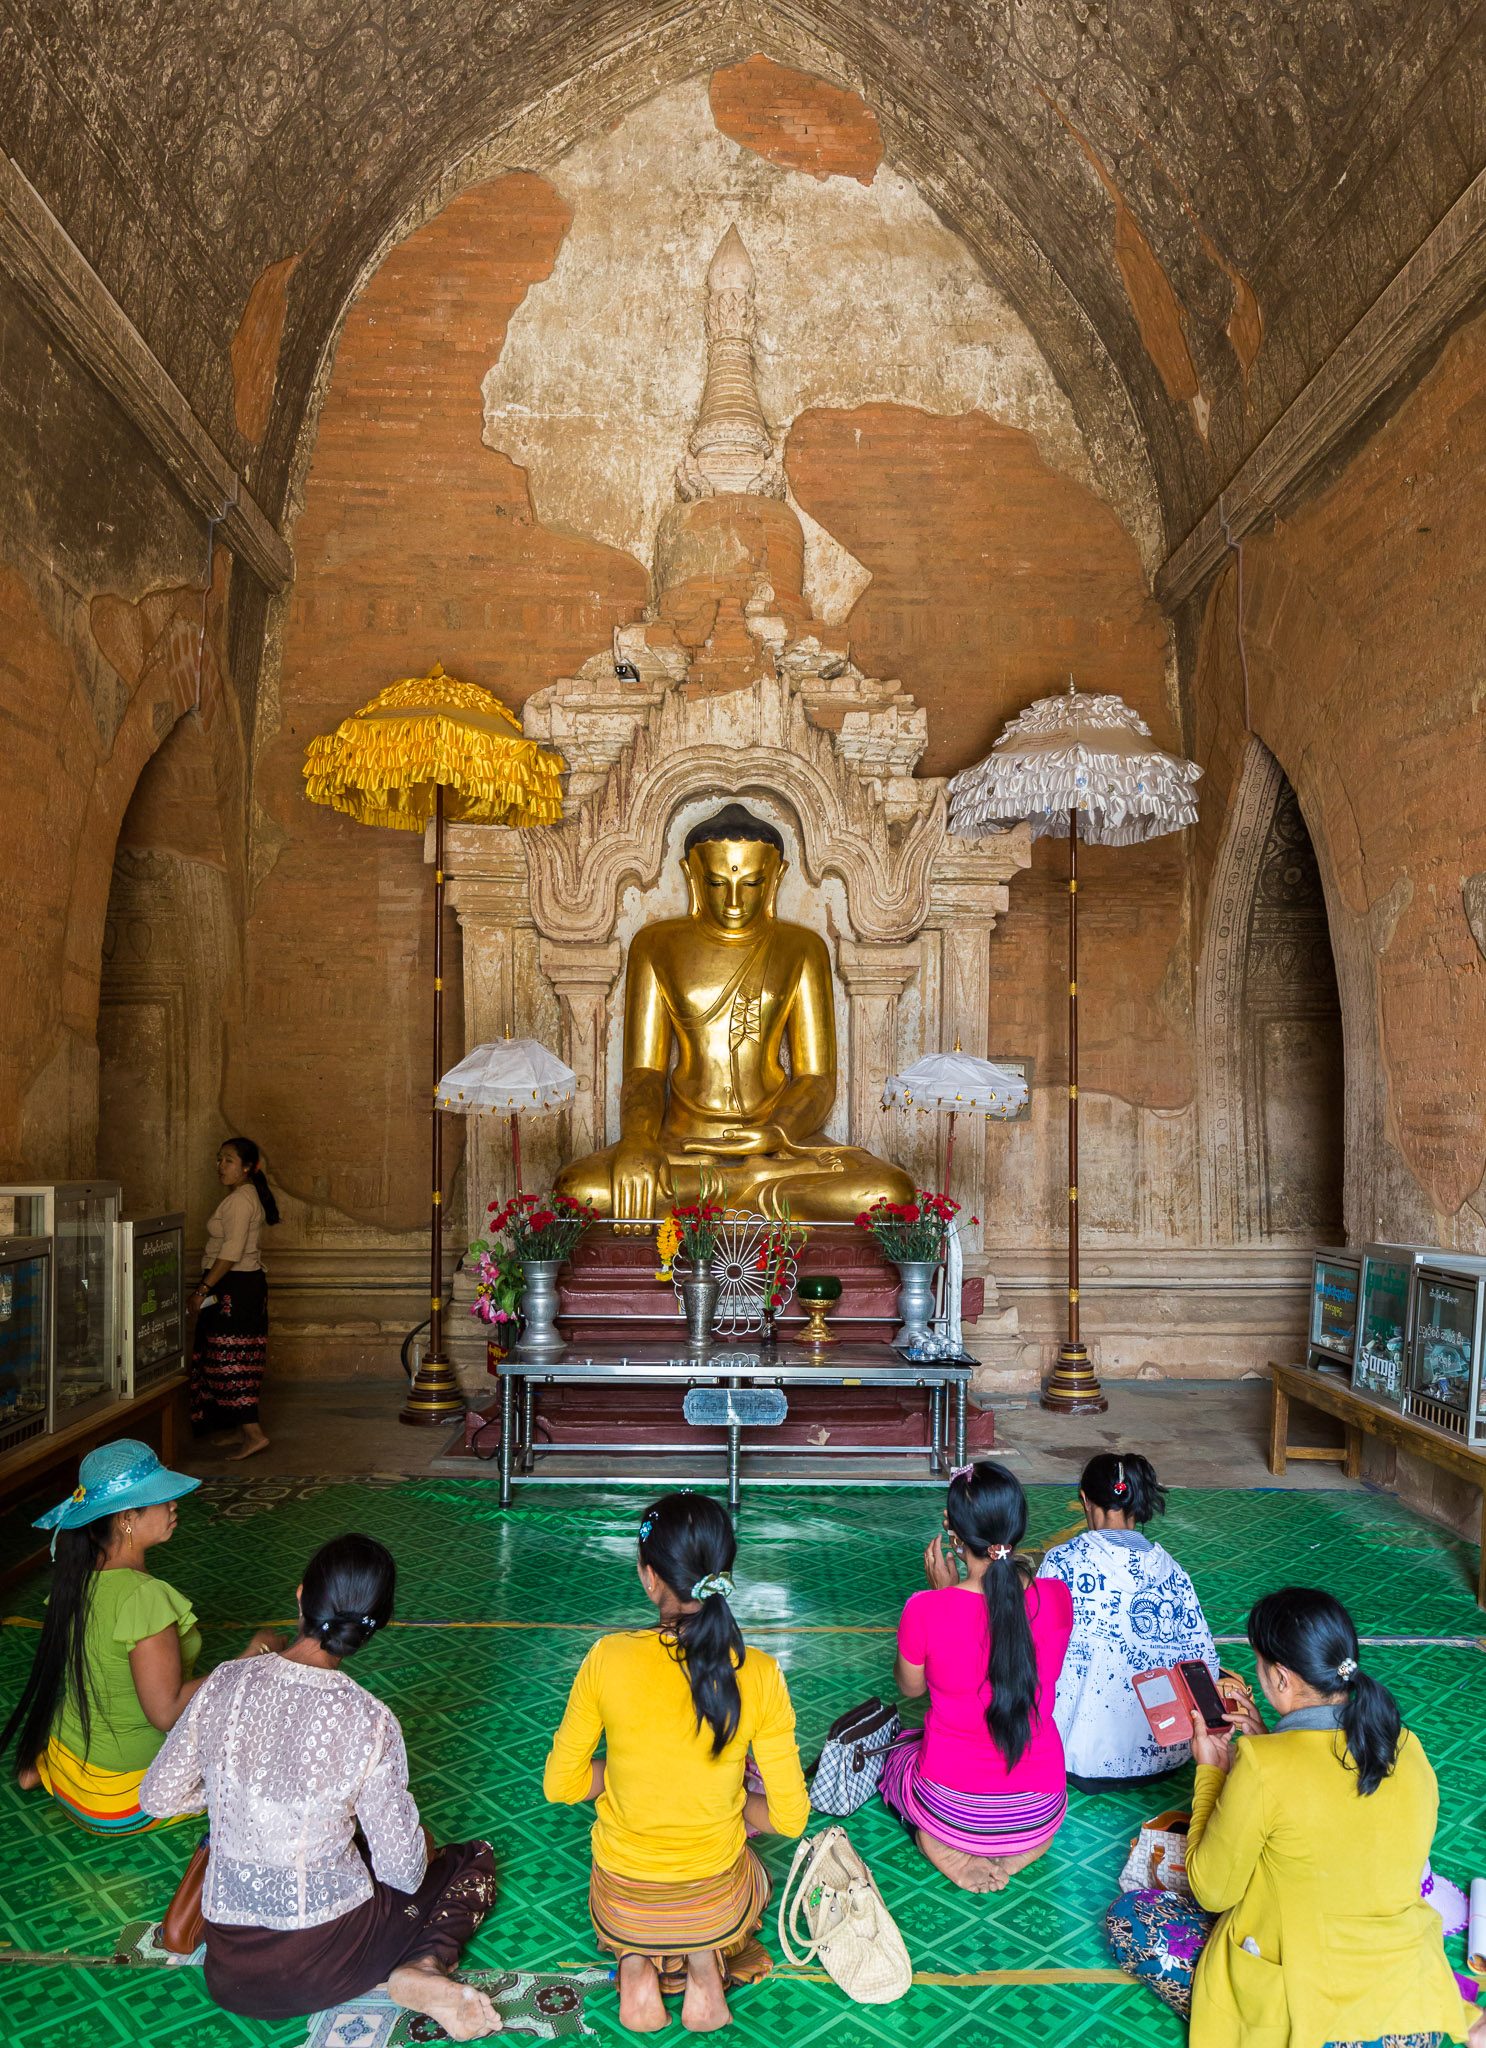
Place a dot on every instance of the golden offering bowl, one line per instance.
(819, 1292)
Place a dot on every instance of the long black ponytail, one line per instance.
(250, 1156)
(1313, 1635)
(59, 1670)
(687, 1540)
(1123, 1486)
(987, 1510)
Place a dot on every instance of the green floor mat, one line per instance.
(510, 1601)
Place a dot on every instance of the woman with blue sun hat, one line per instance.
(113, 1664)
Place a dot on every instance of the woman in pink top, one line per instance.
(983, 1789)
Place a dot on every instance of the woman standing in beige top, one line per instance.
(231, 1304)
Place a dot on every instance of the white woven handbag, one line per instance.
(850, 1929)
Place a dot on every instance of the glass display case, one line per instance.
(82, 1220)
(1445, 1355)
(1336, 1278)
(25, 1338)
(1384, 1319)
(152, 1299)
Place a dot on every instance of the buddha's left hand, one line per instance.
(737, 1142)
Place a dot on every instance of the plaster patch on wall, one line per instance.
(1473, 893)
(834, 579)
(1383, 915)
(863, 296)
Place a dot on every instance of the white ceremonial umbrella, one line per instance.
(1092, 756)
(959, 1083)
(513, 1074)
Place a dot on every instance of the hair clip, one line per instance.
(1347, 1669)
(998, 1551)
(961, 1472)
(368, 1621)
(714, 1582)
(645, 1528)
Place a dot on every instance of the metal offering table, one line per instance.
(724, 1364)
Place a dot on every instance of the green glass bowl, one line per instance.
(818, 1287)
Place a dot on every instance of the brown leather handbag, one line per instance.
(183, 1929)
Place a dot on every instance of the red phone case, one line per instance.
(1172, 1710)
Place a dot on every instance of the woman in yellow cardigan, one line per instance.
(1306, 1850)
(676, 1893)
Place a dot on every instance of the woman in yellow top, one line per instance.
(676, 1893)
(1305, 1854)
(113, 1664)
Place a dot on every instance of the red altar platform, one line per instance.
(610, 1295)
(610, 1292)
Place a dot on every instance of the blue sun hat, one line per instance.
(126, 1474)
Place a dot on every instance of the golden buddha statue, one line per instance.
(727, 987)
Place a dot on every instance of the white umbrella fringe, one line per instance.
(1076, 753)
(508, 1074)
(959, 1082)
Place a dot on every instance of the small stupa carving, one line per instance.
(727, 609)
(731, 446)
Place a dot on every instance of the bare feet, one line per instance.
(28, 1777)
(705, 2007)
(253, 1441)
(970, 1873)
(464, 2013)
(641, 2008)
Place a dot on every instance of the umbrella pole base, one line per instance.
(434, 1396)
(1072, 1387)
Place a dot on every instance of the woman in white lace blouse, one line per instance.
(289, 1755)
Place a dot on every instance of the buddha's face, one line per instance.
(732, 880)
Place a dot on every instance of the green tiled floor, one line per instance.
(821, 1573)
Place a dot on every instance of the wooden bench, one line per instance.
(22, 1469)
(1356, 1415)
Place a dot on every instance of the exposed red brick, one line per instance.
(255, 349)
(992, 577)
(417, 544)
(797, 120)
(1362, 628)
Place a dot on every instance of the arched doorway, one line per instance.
(1270, 1030)
(168, 953)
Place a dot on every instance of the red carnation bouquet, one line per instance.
(910, 1232)
(541, 1227)
(696, 1226)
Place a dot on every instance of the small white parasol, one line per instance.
(959, 1083)
(516, 1075)
(1092, 756)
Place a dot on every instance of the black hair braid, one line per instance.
(1312, 1634)
(686, 1538)
(987, 1510)
(59, 1670)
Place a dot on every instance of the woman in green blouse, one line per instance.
(113, 1665)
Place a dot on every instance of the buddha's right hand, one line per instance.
(638, 1178)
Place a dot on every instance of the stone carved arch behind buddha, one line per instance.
(1269, 1026)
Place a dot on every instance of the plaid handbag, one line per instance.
(851, 1762)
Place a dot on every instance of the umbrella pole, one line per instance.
(1073, 1387)
(949, 1151)
(434, 1395)
(516, 1151)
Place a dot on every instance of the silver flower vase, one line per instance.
(915, 1303)
(539, 1306)
(699, 1292)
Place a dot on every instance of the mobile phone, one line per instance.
(1205, 1698)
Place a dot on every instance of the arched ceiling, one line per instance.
(1148, 180)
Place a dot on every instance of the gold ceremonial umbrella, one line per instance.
(430, 746)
